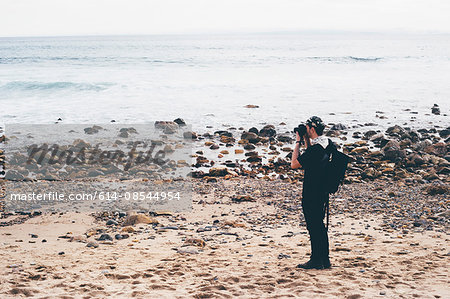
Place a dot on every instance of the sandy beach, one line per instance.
(224, 248)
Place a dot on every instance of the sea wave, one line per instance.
(344, 59)
(368, 59)
(53, 86)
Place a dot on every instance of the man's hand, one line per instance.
(294, 162)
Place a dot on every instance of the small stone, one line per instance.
(105, 237)
(139, 218)
(92, 244)
(180, 122)
(435, 109)
(111, 222)
(61, 253)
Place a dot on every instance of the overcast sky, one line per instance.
(92, 17)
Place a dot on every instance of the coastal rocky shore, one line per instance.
(245, 233)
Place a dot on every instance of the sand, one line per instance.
(250, 251)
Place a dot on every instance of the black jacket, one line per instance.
(314, 161)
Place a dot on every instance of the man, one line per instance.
(314, 197)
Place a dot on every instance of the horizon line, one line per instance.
(303, 31)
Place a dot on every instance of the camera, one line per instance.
(301, 129)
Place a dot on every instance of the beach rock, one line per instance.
(128, 229)
(139, 218)
(393, 152)
(431, 175)
(14, 175)
(219, 171)
(90, 131)
(195, 242)
(360, 150)
(105, 237)
(223, 133)
(338, 127)
(190, 135)
(180, 122)
(254, 158)
(168, 127)
(227, 139)
(332, 133)
(444, 133)
(435, 109)
(92, 244)
(417, 160)
(111, 222)
(437, 189)
(242, 198)
(249, 147)
(422, 145)
(438, 149)
(251, 137)
(395, 131)
(188, 250)
(253, 130)
(377, 137)
(197, 174)
(370, 173)
(285, 138)
(268, 131)
(369, 134)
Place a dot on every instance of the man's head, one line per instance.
(314, 127)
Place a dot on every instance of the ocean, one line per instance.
(208, 79)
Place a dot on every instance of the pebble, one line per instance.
(92, 244)
(105, 237)
(111, 222)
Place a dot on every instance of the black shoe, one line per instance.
(326, 263)
(311, 264)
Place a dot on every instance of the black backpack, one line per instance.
(335, 165)
(335, 168)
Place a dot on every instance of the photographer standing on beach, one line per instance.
(314, 195)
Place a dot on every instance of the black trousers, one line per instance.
(314, 212)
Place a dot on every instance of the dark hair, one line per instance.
(316, 123)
